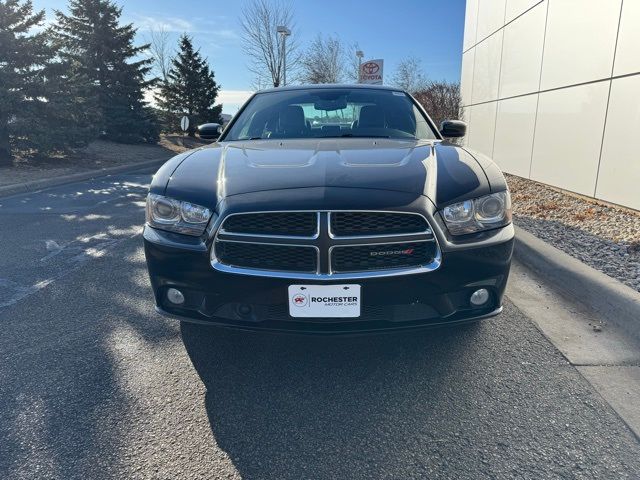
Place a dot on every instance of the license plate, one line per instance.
(324, 301)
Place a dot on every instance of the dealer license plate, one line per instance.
(324, 301)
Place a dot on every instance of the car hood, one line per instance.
(442, 172)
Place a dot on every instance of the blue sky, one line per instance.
(430, 30)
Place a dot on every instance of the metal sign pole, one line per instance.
(184, 124)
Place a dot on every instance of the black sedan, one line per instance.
(330, 209)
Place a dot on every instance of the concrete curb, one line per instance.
(613, 301)
(37, 185)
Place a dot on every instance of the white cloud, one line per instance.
(227, 34)
(231, 100)
(234, 97)
(147, 23)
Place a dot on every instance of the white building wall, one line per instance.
(551, 90)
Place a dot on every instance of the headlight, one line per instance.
(484, 213)
(182, 217)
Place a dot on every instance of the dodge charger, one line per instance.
(328, 209)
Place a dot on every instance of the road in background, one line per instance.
(94, 384)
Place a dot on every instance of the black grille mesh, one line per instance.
(375, 223)
(269, 257)
(302, 224)
(375, 257)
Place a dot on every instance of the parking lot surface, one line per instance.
(94, 384)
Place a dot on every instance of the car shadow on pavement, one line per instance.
(489, 400)
(289, 406)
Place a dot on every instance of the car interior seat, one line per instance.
(292, 122)
(371, 116)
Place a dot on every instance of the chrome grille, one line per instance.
(325, 245)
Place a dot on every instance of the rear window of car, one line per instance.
(331, 113)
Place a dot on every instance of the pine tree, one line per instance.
(23, 58)
(99, 54)
(70, 115)
(38, 112)
(190, 88)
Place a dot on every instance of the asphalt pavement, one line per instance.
(94, 384)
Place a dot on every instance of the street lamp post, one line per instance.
(284, 32)
(359, 54)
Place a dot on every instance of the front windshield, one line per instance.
(325, 113)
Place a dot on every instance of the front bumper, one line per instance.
(388, 303)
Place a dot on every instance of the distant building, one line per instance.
(226, 118)
(551, 90)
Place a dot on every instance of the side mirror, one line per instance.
(209, 131)
(453, 128)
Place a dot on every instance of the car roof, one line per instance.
(324, 86)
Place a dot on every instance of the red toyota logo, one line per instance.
(370, 68)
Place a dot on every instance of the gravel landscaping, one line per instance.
(605, 237)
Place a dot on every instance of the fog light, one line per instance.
(175, 296)
(479, 297)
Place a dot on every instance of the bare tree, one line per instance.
(260, 82)
(161, 52)
(441, 100)
(324, 61)
(352, 68)
(262, 42)
(409, 75)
